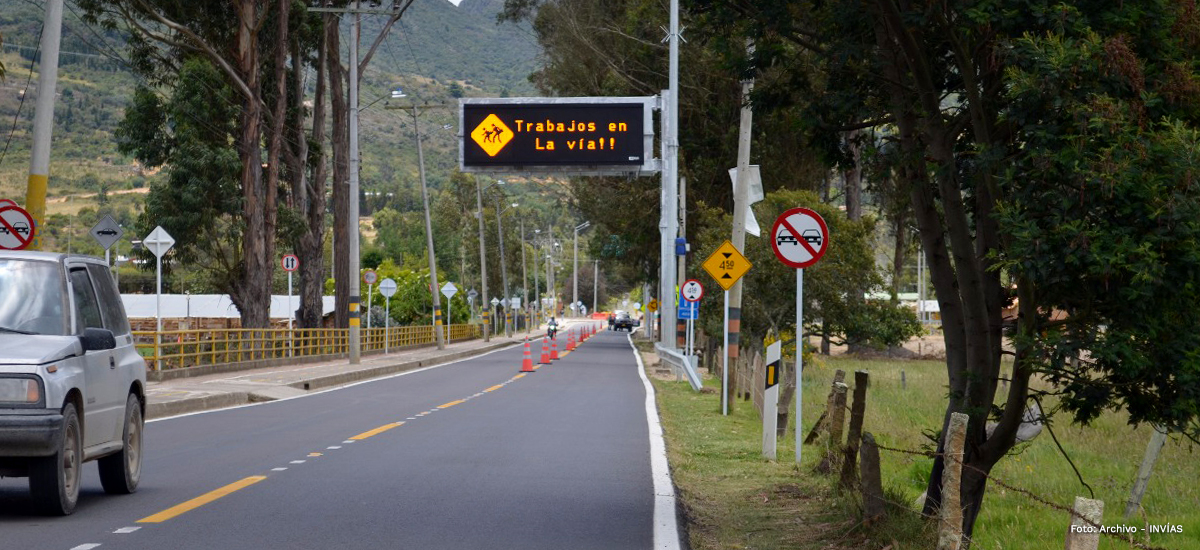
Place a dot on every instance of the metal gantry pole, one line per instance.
(669, 224)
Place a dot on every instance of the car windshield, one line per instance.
(27, 302)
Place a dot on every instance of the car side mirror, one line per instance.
(97, 339)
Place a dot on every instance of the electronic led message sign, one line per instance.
(595, 135)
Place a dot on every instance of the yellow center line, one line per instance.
(494, 388)
(519, 376)
(452, 403)
(314, 454)
(376, 431)
(201, 500)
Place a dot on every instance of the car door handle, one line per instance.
(112, 363)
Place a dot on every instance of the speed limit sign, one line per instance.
(290, 262)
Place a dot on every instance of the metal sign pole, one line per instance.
(799, 358)
(370, 291)
(291, 312)
(387, 324)
(725, 362)
(158, 311)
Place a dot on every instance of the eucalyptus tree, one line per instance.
(163, 35)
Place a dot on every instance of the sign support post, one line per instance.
(799, 358)
(725, 361)
(159, 242)
(727, 265)
(799, 239)
(387, 288)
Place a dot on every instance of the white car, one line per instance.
(72, 385)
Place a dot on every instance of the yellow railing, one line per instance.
(191, 348)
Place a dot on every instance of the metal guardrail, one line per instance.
(191, 348)
(681, 363)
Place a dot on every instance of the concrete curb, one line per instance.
(233, 399)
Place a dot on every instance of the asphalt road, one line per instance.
(461, 456)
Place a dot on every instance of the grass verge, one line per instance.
(735, 498)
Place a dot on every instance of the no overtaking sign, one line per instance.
(800, 237)
(16, 227)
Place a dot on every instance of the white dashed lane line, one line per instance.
(125, 530)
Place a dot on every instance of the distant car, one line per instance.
(108, 232)
(623, 322)
(72, 384)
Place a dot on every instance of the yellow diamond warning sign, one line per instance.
(492, 135)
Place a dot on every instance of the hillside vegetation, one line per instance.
(434, 52)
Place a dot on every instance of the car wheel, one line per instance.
(119, 473)
(54, 480)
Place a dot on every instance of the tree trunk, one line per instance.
(311, 249)
(253, 289)
(853, 177)
(900, 253)
(341, 179)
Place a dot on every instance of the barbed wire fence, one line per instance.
(847, 453)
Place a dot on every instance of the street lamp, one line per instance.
(483, 303)
(575, 295)
(504, 267)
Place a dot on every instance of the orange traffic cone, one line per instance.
(554, 349)
(527, 363)
(545, 360)
(571, 341)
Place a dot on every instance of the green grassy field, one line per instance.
(737, 499)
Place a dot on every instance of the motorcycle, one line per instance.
(551, 332)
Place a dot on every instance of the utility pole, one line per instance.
(43, 121)
(433, 276)
(537, 286)
(524, 279)
(352, 223)
(741, 197)
(575, 269)
(483, 298)
(595, 285)
(503, 272)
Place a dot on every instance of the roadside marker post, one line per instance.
(727, 265)
(771, 401)
(799, 239)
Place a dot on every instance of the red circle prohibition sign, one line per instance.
(799, 239)
(10, 229)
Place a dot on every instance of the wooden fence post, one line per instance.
(874, 507)
(838, 376)
(857, 411)
(1082, 535)
(837, 421)
(950, 532)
